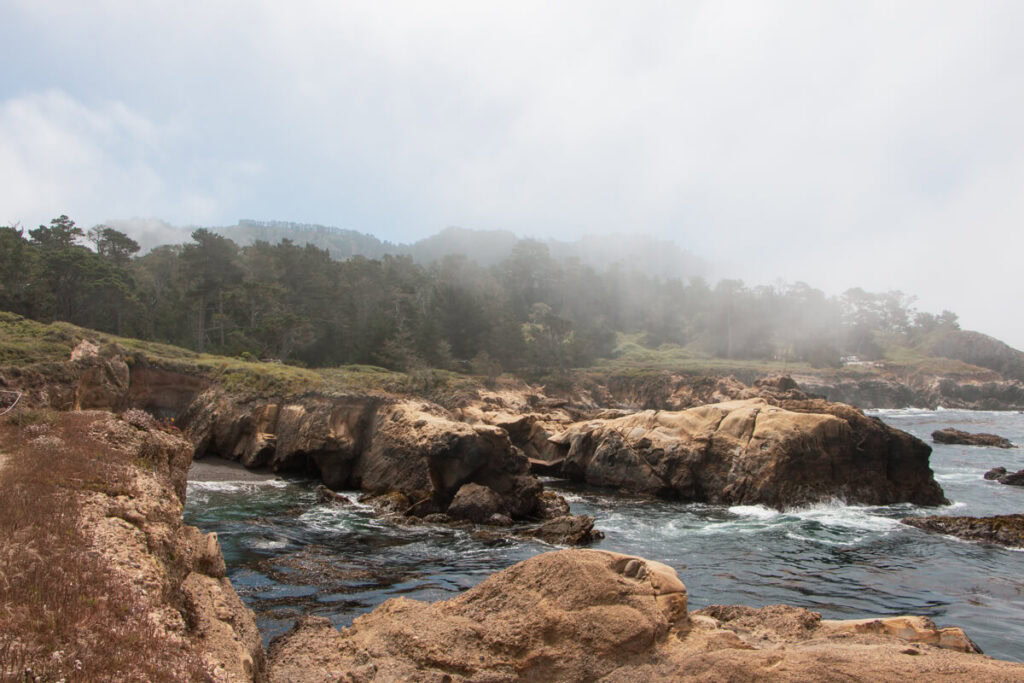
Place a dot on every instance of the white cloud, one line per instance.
(58, 155)
(871, 143)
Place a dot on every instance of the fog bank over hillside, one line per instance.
(915, 270)
(653, 256)
(843, 144)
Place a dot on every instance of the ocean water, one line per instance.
(288, 556)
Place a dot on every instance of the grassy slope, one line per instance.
(631, 359)
(27, 343)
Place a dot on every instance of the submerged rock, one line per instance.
(577, 615)
(1005, 530)
(956, 436)
(753, 452)
(568, 530)
(328, 497)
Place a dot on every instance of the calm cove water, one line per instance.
(288, 556)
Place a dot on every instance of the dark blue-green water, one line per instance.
(288, 556)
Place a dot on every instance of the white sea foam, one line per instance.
(959, 476)
(269, 544)
(236, 486)
(756, 511)
(900, 412)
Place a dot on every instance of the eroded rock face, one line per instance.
(959, 437)
(1005, 530)
(595, 615)
(103, 379)
(142, 539)
(753, 452)
(370, 443)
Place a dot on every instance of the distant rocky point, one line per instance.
(959, 437)
(1005, 530)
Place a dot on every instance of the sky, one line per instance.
(871, 144)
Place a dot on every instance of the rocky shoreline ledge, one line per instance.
(566, 615)
(577, 615)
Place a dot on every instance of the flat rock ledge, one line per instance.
(962, 438)
(1005, 530)
(575, 615)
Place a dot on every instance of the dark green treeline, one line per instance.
(529, 313)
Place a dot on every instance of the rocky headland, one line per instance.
(753, 452)
(568, 615)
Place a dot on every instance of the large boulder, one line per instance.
(753, 452)
(581, 615)
(571, 615)
(475, 503)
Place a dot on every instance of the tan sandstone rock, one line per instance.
(751, 451)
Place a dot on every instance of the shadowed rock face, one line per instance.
(956, 436)
(578, 615)
(372, 444)
(753, 452)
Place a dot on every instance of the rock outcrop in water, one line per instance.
(950, 435)
(588, 615)
(1003, 477)
(753, 452)
(378, 445)
(1005, 530)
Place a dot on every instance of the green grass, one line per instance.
(25, 342)
(630, 358)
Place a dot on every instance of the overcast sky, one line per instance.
(844, 144)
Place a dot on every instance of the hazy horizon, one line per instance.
(841, 144)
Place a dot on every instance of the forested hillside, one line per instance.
(529, 312)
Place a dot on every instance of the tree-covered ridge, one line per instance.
(530, 312)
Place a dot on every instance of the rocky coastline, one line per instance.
(566, 615)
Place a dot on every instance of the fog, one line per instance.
(843, 144)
